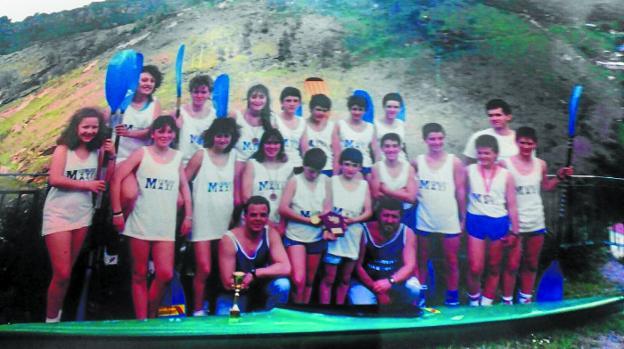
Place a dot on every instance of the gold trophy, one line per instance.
(238, 277)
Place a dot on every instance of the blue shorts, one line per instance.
(328, 173)
(482, 227)
(535, 233)
(428, 233)
(332, 259)
(316, 247)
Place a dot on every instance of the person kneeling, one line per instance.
(255, 249)
(387, 260)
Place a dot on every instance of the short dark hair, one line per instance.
(527, 132)
(162, 121)
(351, 154)
(360, 101)
(69, 136)
(487, 141)
(498, 103)
(387, 203)
(201, 80)
(392, 96)
(256, 200)
(315, 158)
(222, 126)
(266, 136)
(155, 73)
(320, 100)
(290, 92)
(431, 127)
(390, 137)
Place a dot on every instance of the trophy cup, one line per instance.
(238, 277)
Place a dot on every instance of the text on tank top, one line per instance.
(306, 202)
(528, 197)
(191, 133)
(483, 202)
(291, 139)
(383, 260)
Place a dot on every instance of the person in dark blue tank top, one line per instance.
(255, 249)
(387, 259)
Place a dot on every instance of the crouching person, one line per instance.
(255, 249)
(387, 259)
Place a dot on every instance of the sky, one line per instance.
(18, 10)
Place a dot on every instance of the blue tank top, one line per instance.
(381, 261)
(260, 258)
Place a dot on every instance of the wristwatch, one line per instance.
(253, 272)
(391, 280)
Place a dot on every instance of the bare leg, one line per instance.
(139, 252)
(451, 248)
(476, 255)
(162, 254)
(510, 273)
(63, 248)
(297, 256)
(346, 269)
(495, 257)
(421, 271)
(312, 262)
(530, 263)
(202, 271)
(325, 289)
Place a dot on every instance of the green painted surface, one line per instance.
(282, 321)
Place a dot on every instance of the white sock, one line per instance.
(524, 298)
(507, 300)
(199, 313)
(474, 299)
(486, 302)
(54, 319)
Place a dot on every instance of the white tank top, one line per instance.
(66, 209)
(349, 204)
(213, 198)
(154, 214)
(437, 210)
(269, 183)
(361, 141)
(135, 120)
(393, 183)
(322, 140)
(249, 138)
(306, 203)
(191, 139)
(480, 202)
(291, 140)
(528, 198)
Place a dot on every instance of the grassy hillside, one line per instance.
(446, 57)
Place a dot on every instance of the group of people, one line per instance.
(252, 186)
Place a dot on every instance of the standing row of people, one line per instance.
(288, 161)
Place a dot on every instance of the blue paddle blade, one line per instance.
(179, 61)
(550, 288)
(369, 115)
(401, 115)
(116, 82)
(299, 111)
(220, 95)
(134, 69)
(573, 108)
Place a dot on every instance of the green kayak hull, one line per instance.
(293, 328)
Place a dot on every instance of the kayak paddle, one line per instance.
(220, 95)
(179, 61)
